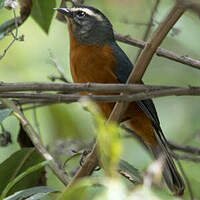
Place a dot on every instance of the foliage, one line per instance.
(29, 61)
(21, 176)
(34, 192)
(23, 160)
(107, 138)
(42, 13)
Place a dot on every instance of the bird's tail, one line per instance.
(170, 172)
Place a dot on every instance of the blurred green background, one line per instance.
(29, 61)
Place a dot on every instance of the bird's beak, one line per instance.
(65, 11)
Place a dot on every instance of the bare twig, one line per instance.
(160, 51)
(150, 24)
(186, 157)
(88, 166)
(59, 69)
(93, 87)
(34, 138)
(15, 37)
(104, 98)
(154, 10)
(184, 148)
(25, 10)
(79, 87)
(36, 122)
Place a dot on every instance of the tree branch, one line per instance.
(150, 24)
(160, 51)
(136, 75)
(68, 98)
(87, 87)
(34, 138)
(79, 87)
(184, 148)
(147, 55)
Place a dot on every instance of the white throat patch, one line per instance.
(88, 12)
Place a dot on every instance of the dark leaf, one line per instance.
(42, 13)
(23, 139)
(5, 138)
(4, 113)
(17, 163)
(37, 193)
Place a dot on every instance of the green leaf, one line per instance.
(131, 171)
(107, 138)
(42, 13)
(1, 3)
(4, 113)
(108, 144)
(15, 165)
(21, 176)
(76, 191)
(37, 196)
(40, 191)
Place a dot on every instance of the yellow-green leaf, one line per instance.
(108, 139)
(76, 191)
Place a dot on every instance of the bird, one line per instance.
(95, 57)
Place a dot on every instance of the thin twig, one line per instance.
(184, 148)
(150, 24)
(15, 37)
(160, 51)
(80, 87)
(10, 25)
(36, 122)
(34, 138)
(171, 145)
(59, 69)
(186, 157)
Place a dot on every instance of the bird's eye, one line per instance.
(80, 14)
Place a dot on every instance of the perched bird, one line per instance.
(96, 57)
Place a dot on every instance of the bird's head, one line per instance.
(88, 25)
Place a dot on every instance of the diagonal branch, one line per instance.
(136, 75)
(150, 24)
(147, 55)
(34, 138)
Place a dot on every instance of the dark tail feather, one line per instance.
(170, 172)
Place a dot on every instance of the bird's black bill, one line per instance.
(64, 11)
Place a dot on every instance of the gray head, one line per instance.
(88, 25)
